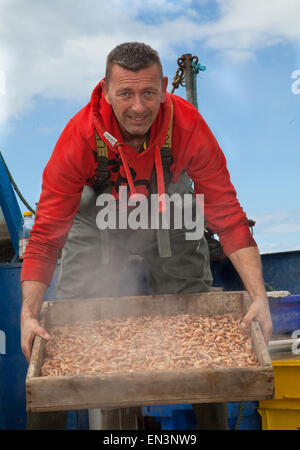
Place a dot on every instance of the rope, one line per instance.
(196, 67)
(16, 187)
(240, 415)
(269, 287)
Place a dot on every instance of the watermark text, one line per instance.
(295, 88)
(2, 343)
(296, 344)
(140, 212)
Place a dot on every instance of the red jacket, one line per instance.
(73, 164)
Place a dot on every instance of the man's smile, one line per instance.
(138, 118)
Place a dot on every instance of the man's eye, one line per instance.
(124, 94)
(149, 93)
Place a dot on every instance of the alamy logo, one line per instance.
(296, 343)
(295, 88)
(2, 343)
(140, 212)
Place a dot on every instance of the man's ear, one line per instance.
(105, 91)
(165, 85)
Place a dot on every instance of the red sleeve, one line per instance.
(69, 167)
(223, 212)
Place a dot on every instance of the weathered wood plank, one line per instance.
(258, 341)
(69, 311)
(37, 353)
(184, 386)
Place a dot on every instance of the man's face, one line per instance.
(135, 98)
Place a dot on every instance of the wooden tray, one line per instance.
(226, 384)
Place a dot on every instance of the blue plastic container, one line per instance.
(181, 417)
(285, 313)
(180, 420)
(164, 410)
(172, 417)
(251, 419)
(78, 420)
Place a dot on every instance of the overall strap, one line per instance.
(165, 151)
(163, 235)
(102, 173)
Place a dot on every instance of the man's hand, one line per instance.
(30, 327)
(33, 294)
(248, 265)
(259, 310)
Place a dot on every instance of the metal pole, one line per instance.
(185, 62)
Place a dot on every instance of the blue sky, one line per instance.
(53, 53)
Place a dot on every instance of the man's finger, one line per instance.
(248, 318)
(36, 330)
(42, 332)
(265, 322)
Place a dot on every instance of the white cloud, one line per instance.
(275, 232)
(285, 227)
(58, 48)
(279, 222)
(250, 25)
(274, 217)
(238, 55)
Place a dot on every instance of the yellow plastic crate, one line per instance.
(280, 414)
(283, 412)
(286, 379)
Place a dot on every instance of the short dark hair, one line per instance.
(132, 56)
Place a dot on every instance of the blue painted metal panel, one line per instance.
(10, 206)
(282, 271)
(13, 365)
(2, 416)
(285, 314)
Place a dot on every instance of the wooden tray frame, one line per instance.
(153, 387)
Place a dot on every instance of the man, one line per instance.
(132, 114)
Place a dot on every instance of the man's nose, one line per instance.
(137, 105)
